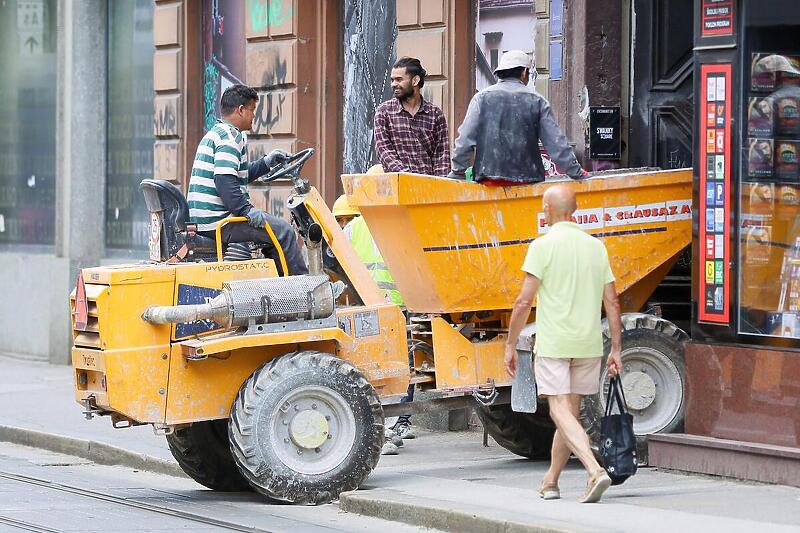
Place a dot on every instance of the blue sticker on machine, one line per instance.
(344, 324)
(190, 294)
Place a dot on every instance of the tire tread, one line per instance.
(263, 478)
(205, 457)
(659, 330)
(525, 434)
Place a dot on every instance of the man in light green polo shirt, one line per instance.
(568, 270)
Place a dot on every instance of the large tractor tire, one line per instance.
(305, 427)
(654, 379)
(527, 434)
(203, 452)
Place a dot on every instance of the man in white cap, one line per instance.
(505, 122)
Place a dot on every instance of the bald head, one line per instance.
(560, 201)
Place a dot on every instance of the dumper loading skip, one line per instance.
(282, 384)
(455, 250)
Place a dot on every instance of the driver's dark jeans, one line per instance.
(409, 397)
(244, 232)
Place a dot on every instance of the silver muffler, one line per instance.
(257, 301)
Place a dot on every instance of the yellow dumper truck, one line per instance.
(281, 384)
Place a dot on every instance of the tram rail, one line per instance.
(142, 506)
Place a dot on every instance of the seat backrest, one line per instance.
(162, 195)
(165, 198)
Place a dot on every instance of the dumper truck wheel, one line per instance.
(305, 427)
(527, 434)
(654, 379)
(203, 452)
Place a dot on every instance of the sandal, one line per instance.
(597, 485)
(549, 491)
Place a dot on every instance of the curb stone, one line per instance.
(433, 517)
(94, 451)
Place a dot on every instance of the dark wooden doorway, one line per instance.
(662, 96)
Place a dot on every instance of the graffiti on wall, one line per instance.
(269, 110)
(265, 14)
(210, 96)
(165, 160)
(166, 118)
(223, 53)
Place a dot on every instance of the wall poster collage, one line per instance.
(715, 138)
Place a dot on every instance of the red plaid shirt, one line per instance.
(418, 144)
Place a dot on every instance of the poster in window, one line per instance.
(604, 133)
(714, 213)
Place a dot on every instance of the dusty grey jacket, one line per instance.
(502, 129)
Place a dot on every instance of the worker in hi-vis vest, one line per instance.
(360, 238)
(344, 212)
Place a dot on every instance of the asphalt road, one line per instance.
(47, 492)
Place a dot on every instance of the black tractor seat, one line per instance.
(179, 240)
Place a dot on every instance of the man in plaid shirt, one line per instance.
(411, 133)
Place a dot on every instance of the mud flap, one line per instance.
(523, 389)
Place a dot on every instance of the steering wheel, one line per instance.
(290, 167)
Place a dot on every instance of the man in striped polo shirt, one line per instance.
(220, 174)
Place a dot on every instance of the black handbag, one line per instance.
(618, 444)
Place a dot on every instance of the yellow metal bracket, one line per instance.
(271, 234)
(196, 349)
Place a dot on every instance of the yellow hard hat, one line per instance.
(342, 208)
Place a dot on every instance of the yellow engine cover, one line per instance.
(121, 360)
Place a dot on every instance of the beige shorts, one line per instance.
(564, 375)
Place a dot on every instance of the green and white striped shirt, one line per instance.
(223, 150)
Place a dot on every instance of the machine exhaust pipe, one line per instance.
(314, 246)
(215, 310)
(257, 301)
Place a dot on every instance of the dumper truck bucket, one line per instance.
(454, 246)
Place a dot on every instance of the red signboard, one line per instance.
(713, 298)
(716, 17)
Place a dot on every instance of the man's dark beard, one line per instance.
(406, 94)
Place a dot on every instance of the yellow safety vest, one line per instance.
(364, 245)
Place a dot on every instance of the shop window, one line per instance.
(494, 58)
(130, 122)
(27, 122)
(501, 25)
(769, 227)
(223, 53)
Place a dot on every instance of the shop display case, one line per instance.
(769, 192)
(747, 240)
(743, 360)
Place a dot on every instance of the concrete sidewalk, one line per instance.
(38, 408)
(446, 481)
